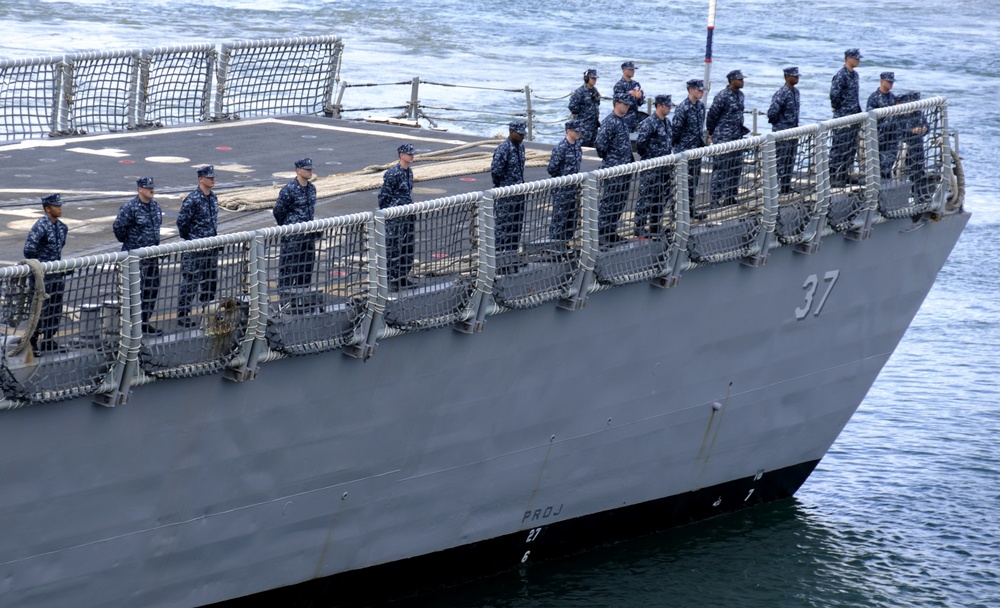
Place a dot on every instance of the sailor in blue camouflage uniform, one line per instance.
(654, 139)
(633, 91)
(296, 204)
(614, 146)
(565, 160)
(400, 232)
(45, 243)
(507, 169)
(888, 138)
(585, 104)
(688, 130)
(198, 219)
(784, 114)
(725, 123)
(138, 225)
(912, 127)
(845, 100)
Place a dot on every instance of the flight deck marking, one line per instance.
(112, 152)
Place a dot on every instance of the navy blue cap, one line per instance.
(629, 65)
(792, 71)
(304, 163)
(405, 149)
(734, 75)
(518, 127)
(664, 100)
(623, 98)
(145, 182)
(853, 54)
(573, 125)
(696, 83)
(888, 76)
(53, 200)
(591, 73)
(207, 171)
(908, 97)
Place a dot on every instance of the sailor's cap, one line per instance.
(853, 54)
(591, 73)
(145, 182)
(908, 97)
(735, 75)
(623, 98)
(696, 83)
(52, 200)
(405, 149)
(792, 71)
(518, 127)
(629, 65)
(304, 163)
(664, 100)
(888, 76)
(573, 125)
(207, 171)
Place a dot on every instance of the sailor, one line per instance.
(784, 114)
(688, 130)
(198, 219)
(400, 237)
(565, 160)
(507, 169)
(654, 139)
(614, 146)
(633, 90)
(888, 139)
(912, 127)
(585, 104)
(45, 243)
(845, 101)
(138, 225)
(296, 204)
(725, 123)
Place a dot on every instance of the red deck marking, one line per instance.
(126, 162)
(223, 148)
(439, 255)
(466, 179)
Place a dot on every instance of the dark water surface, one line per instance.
(905, 509)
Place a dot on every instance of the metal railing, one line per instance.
(126, 89)
(102, 325)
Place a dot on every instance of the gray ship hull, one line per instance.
(674, 403)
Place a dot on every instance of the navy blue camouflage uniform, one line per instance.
(687, 129)
(623, 87)
(197, 219)
(507, 169)
(783, 113)
(296, 203)
(912, 128)
(45, 243)
(614, 146)
(565, 160)
(654, 139)
(888, 138)
(138, 225)
(585, 104)
(400, 237)
(844, 141)
(725, 123)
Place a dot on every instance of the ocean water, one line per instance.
(905, 508)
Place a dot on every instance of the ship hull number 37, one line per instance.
(816, 293)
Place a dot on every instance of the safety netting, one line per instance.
(292, 75)
(795, 163)
(537, 238)
(176, 84)
(29, 97)
(318, 283)
(101, 90)
(431, 261)
(847, 172)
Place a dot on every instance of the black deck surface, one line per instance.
(97, 173)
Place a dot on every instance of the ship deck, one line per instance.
(96, 173)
